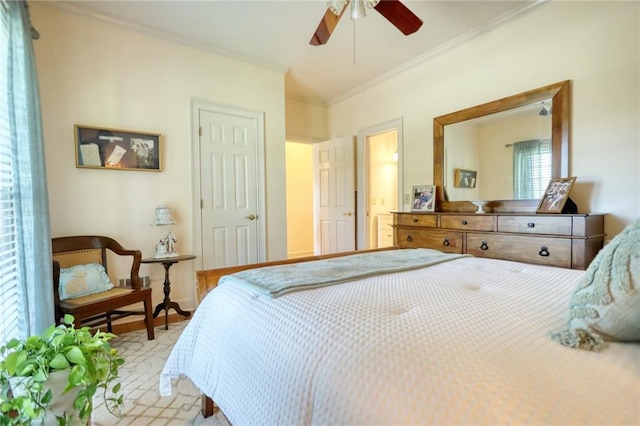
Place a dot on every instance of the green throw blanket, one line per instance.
(275, 281)
(606, 302)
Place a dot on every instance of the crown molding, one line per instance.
(186, 41)
(439, 50)
(306, 100)
(175, 38)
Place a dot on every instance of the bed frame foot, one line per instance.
(209, 408)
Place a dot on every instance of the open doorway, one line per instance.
(382, 188)
(378, 182)
(299, 178)
(379, 165)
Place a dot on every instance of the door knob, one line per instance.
(251, 217)
(347, 214)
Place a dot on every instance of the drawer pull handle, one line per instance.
(409, 239)
(484, 246)
(415, 219)
(464, 222)
(544, 251)
(446, 242)
(531, 225)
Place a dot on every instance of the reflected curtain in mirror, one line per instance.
(531, 168)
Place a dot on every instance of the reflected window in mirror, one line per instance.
(531, 168)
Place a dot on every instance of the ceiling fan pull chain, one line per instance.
(354, 41)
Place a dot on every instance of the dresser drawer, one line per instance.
(467, 222)
(385, 230)
(425, 220)
(535, 225)
(446, 241)
(530, 249)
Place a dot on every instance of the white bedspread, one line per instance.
(463, 342)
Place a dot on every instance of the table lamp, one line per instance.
(166, 247)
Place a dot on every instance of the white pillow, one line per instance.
(81, 280)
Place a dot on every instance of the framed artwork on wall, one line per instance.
(556, 195)
(424, 199)
(104, 148)
(464, 178)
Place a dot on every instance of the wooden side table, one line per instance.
(167, 303)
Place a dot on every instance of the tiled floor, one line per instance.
(144, 360)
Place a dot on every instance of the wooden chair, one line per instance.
(104, 307)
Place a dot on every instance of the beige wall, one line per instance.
(462, 155)
(96, 73)
(299, 199)
(594, 44)
(306, 121)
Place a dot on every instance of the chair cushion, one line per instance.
(81, 280)
(96, 297)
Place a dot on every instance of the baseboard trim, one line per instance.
(139, 324)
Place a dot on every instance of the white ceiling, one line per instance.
(276, 33)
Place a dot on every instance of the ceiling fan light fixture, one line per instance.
(358, 9)
(336, 6)
(393, 10)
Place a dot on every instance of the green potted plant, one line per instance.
(82, 362)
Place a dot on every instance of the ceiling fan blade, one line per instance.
(325, 27)
(399, 15)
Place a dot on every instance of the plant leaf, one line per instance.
(13, 360)
(68, 319)
(59, 362)
(75, 356)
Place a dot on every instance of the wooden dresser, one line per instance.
(564, 240)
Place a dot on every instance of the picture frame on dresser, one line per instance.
(556, 195)
(117, 149)
(424, 199)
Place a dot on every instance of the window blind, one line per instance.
(542, 164)
(9, 288)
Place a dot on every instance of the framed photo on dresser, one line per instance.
(424, 199)
(556, 195)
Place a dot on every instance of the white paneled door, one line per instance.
(334, 196)
(229, 182)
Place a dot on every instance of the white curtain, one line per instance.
(26, 292)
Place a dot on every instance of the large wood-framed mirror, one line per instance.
(555, 98)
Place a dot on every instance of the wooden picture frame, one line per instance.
(556, 195)
(464, 178)
(115, 149)
(424, 198)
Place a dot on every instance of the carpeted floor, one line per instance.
(144, 360)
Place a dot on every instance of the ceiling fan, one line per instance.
(395, 12)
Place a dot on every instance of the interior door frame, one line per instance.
(361, 174)
(196, 106)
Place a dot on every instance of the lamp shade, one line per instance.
(163, 217)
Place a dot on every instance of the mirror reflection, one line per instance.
(501, 156)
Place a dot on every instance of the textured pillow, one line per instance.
(606, 303)
(81, 280)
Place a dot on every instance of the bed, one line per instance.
(461, 340)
